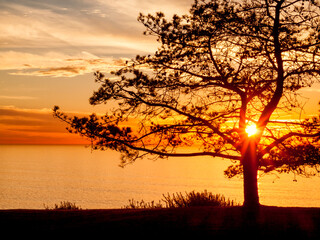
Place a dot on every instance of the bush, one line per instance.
(65, 205)
(190, 199)
(193, 199)
(142, 204)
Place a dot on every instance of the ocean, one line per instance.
(35, 176)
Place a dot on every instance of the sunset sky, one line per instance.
(50, 49)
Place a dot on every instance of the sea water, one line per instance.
(39, 176)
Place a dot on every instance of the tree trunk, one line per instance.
(250, 171)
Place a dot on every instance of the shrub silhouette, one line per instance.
(64, 205)
(191, 199)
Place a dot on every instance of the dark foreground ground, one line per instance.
(214, 222)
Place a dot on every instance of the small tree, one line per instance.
(226, 67)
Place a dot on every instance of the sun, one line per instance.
(251, 129)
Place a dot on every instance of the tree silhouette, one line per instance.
(222, 67)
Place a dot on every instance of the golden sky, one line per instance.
(49, 50)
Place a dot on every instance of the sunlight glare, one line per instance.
(251, 130)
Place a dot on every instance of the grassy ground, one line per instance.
(270, 222)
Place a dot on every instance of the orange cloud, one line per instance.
(38, 126)
(30, 126)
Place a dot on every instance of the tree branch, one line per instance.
(195, 154)
(285, 137)
(272, 105)
(183, 113)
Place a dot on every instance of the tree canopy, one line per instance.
(218, 69)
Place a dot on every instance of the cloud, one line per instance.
(15, 121)
(61, 71)
(56, 64)
(17, 97)
(15, 115)
(37, 37)
(57, 23)
(33, 126)
(133, 7)
(79, 23)
(38, 126)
